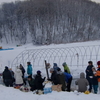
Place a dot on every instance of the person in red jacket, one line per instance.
(98, 74)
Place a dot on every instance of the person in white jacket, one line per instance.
(18, 77)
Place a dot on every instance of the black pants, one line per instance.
(8, 82)
(69, 84)
(90, 83)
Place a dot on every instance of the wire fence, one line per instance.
(73, 56)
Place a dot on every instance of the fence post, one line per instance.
(46, 67)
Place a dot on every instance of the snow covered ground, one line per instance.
(9, 93)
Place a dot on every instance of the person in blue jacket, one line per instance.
(29, 68)
(55, 67)
(68, 79)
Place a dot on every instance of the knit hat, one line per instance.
(90, 62)
(55, 64)
(6, 67)
(38, 72)
(64, 64)
(52, 69)
(98, 63)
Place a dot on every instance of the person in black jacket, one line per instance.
(89, 74)
(7, 77)
(38, 82)
(22, 69)
(31, 83)
(54, 77)
(61, 78)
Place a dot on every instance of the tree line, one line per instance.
(49, 21)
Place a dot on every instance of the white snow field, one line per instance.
(9, 93)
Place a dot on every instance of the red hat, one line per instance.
(98, 63)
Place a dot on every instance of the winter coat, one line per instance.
(82, 83)
(7, 75)
(38, 82)
(18, 76)
(31, 82)
(66, 68)
(54, 78)
(89, 72)
(23, 71)
(67, 76)
(95, 80)
(61, 78)
(98, 74)
(29, 69)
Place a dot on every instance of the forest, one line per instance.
(49, 21)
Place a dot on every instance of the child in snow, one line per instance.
(82, 83)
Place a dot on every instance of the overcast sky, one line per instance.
(2, 1)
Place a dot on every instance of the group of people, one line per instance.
(92, 79)
(17, 79)
(58, 76)
(93, 76)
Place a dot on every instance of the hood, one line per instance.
(55, 64)
(82, 75)
(64, 64)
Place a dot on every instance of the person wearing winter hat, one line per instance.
(31, 83)
(38, 72)
(61, 78)
(98, 63)
(54, 79)
(89, 74)
(38, 81)
(98, 74)
(51, 70)
(7, 77)
(55, 66)
(29, 68)
(66, 68)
